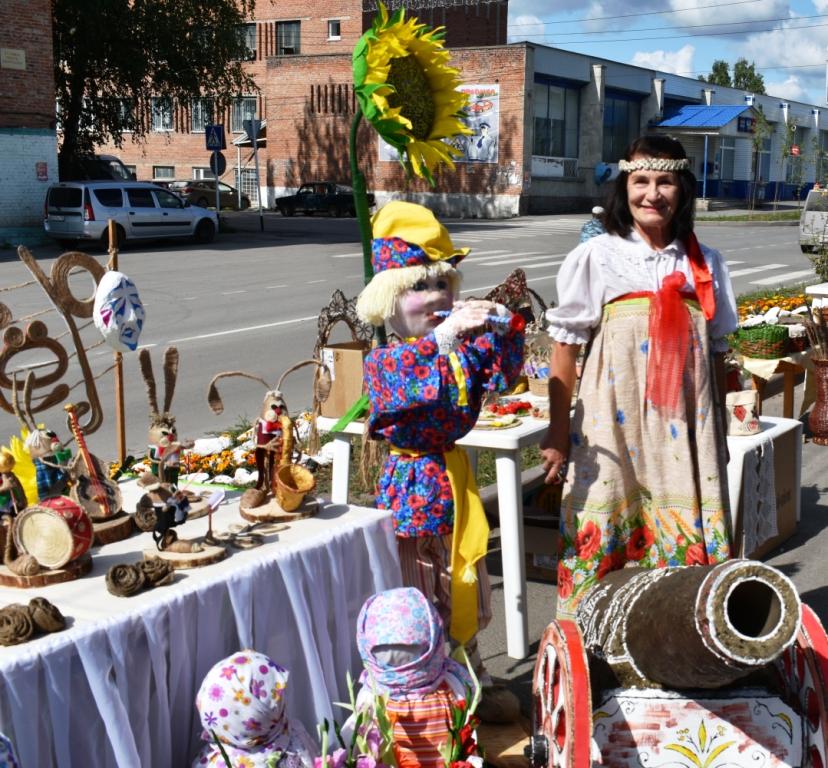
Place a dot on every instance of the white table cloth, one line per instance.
(751, 483)
(506, 444)
(117, 688)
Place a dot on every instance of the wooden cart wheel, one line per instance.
(804, 671)
(561, 707)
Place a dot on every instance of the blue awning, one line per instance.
(700, 116)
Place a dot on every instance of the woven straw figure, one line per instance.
(48, 453)
(164, 452)
(12, 495)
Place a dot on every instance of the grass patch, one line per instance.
(770, 216)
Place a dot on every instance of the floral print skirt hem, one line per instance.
(645, 489)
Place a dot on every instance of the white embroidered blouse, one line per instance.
(607, 266)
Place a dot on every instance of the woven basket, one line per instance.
(292, 483)
(763, 341)
(539, 387)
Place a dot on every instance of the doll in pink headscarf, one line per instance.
(242, 702)
(403, 648)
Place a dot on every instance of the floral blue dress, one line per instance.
(416, 407)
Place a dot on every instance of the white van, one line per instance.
(80, 210)
(813, 223)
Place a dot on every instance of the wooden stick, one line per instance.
(120, 420)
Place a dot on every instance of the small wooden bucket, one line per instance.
(539, 387)
(292, 483)
(54, 531)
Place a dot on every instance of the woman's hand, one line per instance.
(468, 316)
(555, 453)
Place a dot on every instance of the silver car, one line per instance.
(80, 210)
(813, 222)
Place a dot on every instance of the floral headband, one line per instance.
(654, 164)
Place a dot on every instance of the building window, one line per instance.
(163, 171)
(126, 115)
(762, 160)
(201, 115)
(162, 114)
(334, 29)
(622, 125)
(243, 109)
(247, 33)
(727, 156)
(556, 121)
(200, 172)
(133, 169)
(287, 38)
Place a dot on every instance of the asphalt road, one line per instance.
(250, 301)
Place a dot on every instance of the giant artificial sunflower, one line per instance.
(407, 90)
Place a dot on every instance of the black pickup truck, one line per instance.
(321, 197)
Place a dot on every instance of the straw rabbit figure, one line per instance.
(47, 452)
(164, 451)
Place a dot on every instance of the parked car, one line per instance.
(96, 167)
(813, 222)
(79, 210)
(202, 192)
(321, 197)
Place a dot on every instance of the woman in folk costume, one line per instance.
(242, 702)
(402, 645)
(425, 394)
(647, 441)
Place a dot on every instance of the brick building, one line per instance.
(549, 125)
(28, 145)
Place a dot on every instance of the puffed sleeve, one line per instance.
(580, 296)
(726, 319)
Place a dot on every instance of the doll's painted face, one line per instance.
(118, 312)
(414, 311)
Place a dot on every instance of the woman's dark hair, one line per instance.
(617, 217)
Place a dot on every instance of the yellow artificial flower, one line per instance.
(407, 90)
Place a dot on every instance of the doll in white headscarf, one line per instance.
(242, 702)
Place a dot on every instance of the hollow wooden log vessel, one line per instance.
(690, 627)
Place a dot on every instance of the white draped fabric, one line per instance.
(117, 688)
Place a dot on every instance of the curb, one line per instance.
(718, 223)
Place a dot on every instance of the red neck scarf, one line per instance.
(701, 277)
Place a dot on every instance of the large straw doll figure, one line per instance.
(425, 394)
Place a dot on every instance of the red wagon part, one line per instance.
(562, 706)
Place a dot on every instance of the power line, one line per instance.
(648, 13)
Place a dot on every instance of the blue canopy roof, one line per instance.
(701, 116)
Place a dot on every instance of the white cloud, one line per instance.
(792, 89)
(526, 27)
(678, 62)
(715, 13)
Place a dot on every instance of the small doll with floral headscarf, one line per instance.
(242, 703)
(403, 649)
(426, 393)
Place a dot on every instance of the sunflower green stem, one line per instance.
(363, 215)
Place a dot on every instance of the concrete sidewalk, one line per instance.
(803, 558)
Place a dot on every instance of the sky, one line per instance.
(787, 40)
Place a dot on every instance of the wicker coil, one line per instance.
(292, 483)
(763, 341)
(539, 387)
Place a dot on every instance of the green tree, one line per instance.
(747, 78)
(761, 131)
(113, 56)
(719, 74)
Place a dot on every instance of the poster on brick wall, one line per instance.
(481, 115)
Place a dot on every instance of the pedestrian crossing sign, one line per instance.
(214, 137)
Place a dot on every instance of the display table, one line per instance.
(506, 444)
(117, 688)
(789, 366)
(764, 485)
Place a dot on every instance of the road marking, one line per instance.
(731, 263)
(789, 276)
(189, 298)
(543, 264)
(497, 285)
(523, 259)
(752, 270)
(244, 330)
(312, 282)
(346, 255)
(231, 293)
(282, 285)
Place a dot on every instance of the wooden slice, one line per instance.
(198, 505)
(272, 512)
(73, 570)
(182, 560)
(116, 528)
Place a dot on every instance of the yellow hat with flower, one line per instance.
(409, 244)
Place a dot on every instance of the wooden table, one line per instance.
(789, 366)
